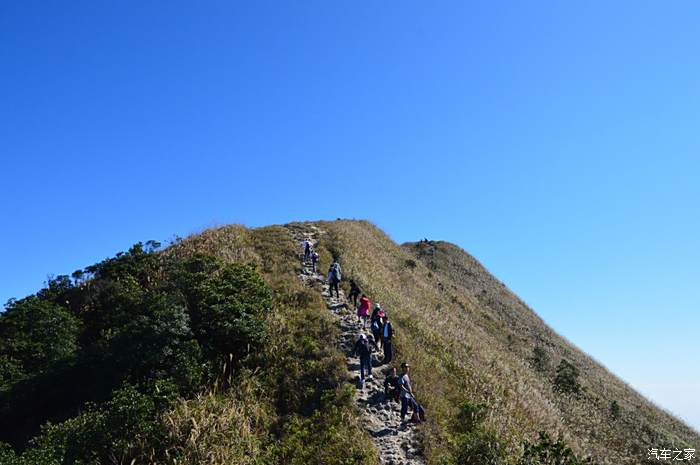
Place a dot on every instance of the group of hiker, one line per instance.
(310, 253)
(381, 331)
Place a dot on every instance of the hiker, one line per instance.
(391, 386)
(406, 393)
(355, 292)
(364, 350)
(307, 249)
(314, 259)
(363, 310)
(334, 277)
(387, 335)
(376, 324)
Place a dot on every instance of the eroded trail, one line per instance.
(396, 445)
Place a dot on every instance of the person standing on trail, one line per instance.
(387, 336)
(314, 259)
(307, 249)
(334, 278)
(364, 349)
(391, 386)
(363, 310)
(406, 392)
(376, 324)
(355, 292)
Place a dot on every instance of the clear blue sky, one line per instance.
(558, 142)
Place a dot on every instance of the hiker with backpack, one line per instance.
(307, 249)
(314, 260)
(407, 397)
(387, 335)
(376, 324)
(391, 386)
(364, 349)
(334, 278)
(363, 310)
(355, 292)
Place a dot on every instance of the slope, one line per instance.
(472, 344)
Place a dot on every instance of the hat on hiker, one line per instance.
(377, 306)
(362, 336)
(405, 365)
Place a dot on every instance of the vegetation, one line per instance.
(566, 380)
(208, 352)
(470, 340)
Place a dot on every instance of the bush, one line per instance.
(540, 358)
(473, 442)
(548, 452)
(566, 379)
(615, 410)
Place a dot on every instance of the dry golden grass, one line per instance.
(469, 338)
(220, 428)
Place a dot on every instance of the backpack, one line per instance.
(336, 272)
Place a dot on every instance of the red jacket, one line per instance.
(363, 309)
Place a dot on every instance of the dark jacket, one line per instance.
(362, 348)
(391, 382)
(354, 288)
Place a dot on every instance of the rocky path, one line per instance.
(396, 444)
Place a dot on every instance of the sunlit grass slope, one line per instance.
(473, 342)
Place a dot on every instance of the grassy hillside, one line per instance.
(475, 345)
(210, 351)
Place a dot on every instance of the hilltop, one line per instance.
(254, 373)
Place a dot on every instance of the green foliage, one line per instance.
(540, 358)
(548, 452)
(615, 410)
(566, 379)
(136, 339)
(473, 443)
(226, 304)
(139, 318)
(34, 335)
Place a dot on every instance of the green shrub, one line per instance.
(540, 358)
(615, 410)
(473, 442)
(548, 452)
(566, 379)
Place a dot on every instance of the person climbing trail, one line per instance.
(395, 446)
(376, 324)
(355, 292)
(391, 386)
(363, 310)
(307, 249)
(406, 395)
(387, 336)
(364, 349)
(334, 278)
(314, 260)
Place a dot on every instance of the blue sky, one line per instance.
(558, 142)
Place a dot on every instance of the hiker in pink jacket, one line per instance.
(363, 310)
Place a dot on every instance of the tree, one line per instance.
(34, 334)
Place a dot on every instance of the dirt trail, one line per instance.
(396, 445)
